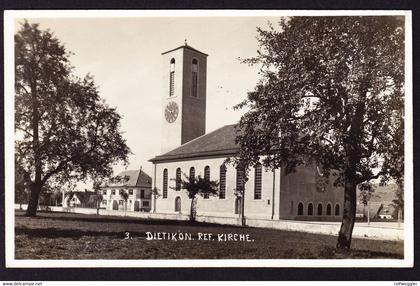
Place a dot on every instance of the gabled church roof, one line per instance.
(219, 143)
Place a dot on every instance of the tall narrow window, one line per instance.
(300, 209)
(337, 209)
(194, 78)
(319, 211)
(207, 178)
(192, 174)
(239, 181)
(310, 209)
(165, 184)
(222, 182)
(172, 78)
(178, 179)
(257, 182)
(329, 209)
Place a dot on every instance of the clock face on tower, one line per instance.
(171, 111)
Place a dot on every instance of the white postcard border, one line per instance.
(9, 19)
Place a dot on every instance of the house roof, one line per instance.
(131, 178)
(82, 196)
(220, 142)
(185, 46)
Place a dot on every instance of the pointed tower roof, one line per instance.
(185, 46)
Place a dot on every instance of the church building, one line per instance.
(187, 149)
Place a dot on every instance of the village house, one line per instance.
(80, 199)
(136, 184)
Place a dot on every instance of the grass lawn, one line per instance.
(79, 236)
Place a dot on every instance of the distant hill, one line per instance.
(381, 195)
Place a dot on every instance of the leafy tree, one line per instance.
(65, 131)
(69, 195)
(97, 198)
(398, 202)
(197, 186)
(156, 193)
(366, 193)
(331, 95)
(124, 195)
(21, 186)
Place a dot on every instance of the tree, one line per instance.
(69, 195)
(366, 193)
(124, 195)
(21, 186)
(65, 131)
(331, 95)
(398, 203)
(156, 193)
(97, 198)
(197, 186)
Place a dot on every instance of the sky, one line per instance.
(124, 57)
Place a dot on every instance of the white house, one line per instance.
(136, 183)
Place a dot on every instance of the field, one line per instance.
(78, 236)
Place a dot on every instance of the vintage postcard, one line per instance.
(208, 138)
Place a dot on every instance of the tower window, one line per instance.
(178, 179)
(257, 182)
(207, 178)
(222, 185)
(172, 78)
(165, 184)
(194, 78)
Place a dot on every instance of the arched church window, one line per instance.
(319, 210)
(192, 174)
(257, 182)
(207, 178)
(300, 209)
(329, 209)
(178, 179)
(310, 209)
(337, 209)
(165, 184)
(194, 78)
(172, 77)
(178, 204)
(239, 181)
(222, 182)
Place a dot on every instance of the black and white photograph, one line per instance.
(211, 138)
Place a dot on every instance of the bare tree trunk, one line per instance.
(33, 200)
(36, 184)
(193, 210)
(349, 215)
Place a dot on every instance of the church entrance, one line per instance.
(238, 205)
(178, 204)
(114, 205)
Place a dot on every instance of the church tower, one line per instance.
(184, 99)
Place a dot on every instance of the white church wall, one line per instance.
(214, 206)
